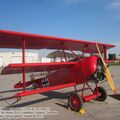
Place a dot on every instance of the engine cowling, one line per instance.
(89, 66)
(92, 68)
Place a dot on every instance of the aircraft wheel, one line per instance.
(103, 94)
(75, 102)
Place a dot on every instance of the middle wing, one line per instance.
(35, 67)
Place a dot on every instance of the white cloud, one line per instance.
(115, 4)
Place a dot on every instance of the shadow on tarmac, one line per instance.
(117, 97)
(49, 95)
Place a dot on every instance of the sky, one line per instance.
(93, 20)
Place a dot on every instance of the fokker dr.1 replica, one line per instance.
(67, 73)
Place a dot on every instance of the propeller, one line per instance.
(107, 72)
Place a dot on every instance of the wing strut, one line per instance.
(23, 61)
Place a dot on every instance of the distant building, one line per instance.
(16, 57)
(112, 56)
(118, 57)
(44, 59)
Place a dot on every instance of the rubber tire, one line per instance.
(103, 94)
(76, 109)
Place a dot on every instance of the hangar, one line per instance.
(7, 57)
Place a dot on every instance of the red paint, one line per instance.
(91, 97)
(28, 83)
(75, 102)
(12, 39)
(35, 67)
(105, 54)
(23, 68)
(41, 90)
(88, 66)
(64, 74)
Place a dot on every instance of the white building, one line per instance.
(118, 57)
(44, 59)
(7, 57)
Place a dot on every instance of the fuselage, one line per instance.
(78, 73)
(85, 69)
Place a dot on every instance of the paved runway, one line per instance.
(57, 101)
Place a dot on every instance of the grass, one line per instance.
(115, 63)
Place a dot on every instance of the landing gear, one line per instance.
(103, 93)
(75, 102)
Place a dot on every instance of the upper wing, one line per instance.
(11, 39)
(35, 67)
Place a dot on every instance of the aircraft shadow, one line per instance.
(63, 105)
(14, 90)
(6, 98)
(117, 97)
(29, 102)
(49, 95)
(9, 91)
(59, 95)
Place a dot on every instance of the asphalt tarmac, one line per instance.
(54, 104)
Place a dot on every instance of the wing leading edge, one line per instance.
(12, 39)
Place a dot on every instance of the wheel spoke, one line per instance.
(75, 102)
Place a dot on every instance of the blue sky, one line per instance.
(80, 19)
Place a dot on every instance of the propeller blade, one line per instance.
(107, 72)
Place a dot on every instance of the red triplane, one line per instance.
(68, 73)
